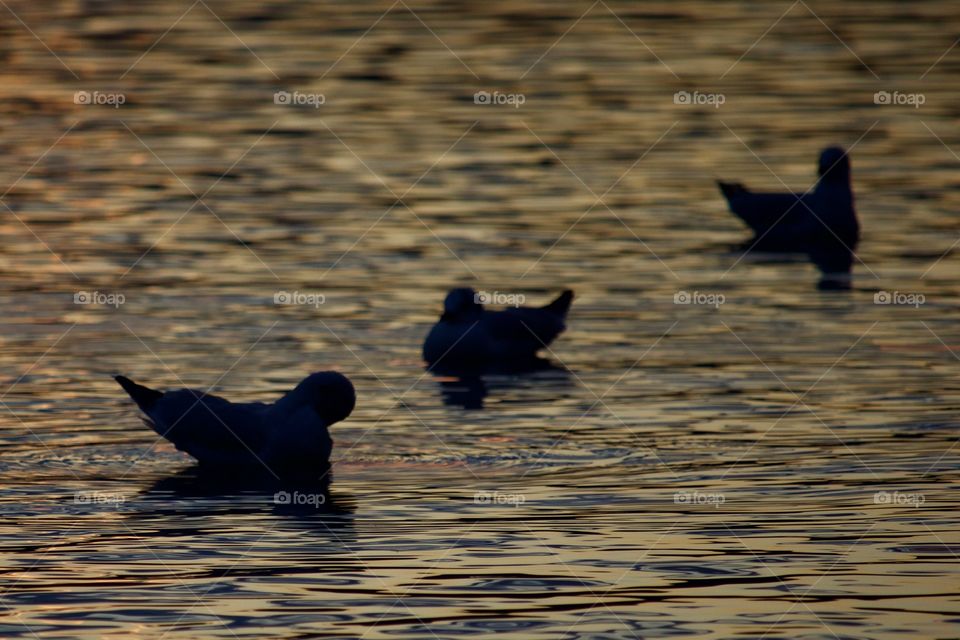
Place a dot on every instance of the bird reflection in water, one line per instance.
(467, 389)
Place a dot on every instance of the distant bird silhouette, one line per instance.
(471, 337)
(286, 438)
(821, 223)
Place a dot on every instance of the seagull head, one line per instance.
(834, 165)
(328, 393)
(461, 304)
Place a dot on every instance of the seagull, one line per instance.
(286, 437)
(821, 223)
(468, 336)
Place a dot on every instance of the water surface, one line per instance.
(780, 466)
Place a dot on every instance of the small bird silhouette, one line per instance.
(287, 437)
(468, 336)
(821, 223)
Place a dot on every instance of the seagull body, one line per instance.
(290, 435)
(821, 223)
(470, 336)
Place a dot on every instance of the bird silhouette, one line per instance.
(821, 222)
(468, 336)
(287, 437)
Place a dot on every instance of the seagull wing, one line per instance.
(781, 219)
(209, 428)
(523, 331)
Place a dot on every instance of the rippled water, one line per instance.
(781, 465)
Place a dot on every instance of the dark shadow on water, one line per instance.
(762, 256)
(467, 392)
(468, 388)
(286, 530)
(200, 481)
(835, 282)
(830, 280)
(195, 492)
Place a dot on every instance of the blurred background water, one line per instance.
(781, 465)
